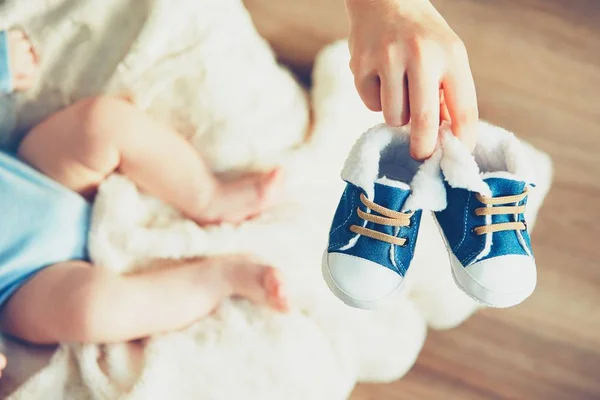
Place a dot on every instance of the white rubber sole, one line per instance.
(485, 296)
(479, 293)
(349, 300)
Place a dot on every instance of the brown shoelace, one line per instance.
(489, 209)
(390, 218)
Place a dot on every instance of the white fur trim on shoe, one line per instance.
(499, 150)
(362, 167)
(428, 191)
(362, 164)
(459, 166)
(498, 154)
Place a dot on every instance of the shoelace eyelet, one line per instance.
(386, 217)
(500, 206)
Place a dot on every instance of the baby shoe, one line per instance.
(484, 225)
(374, 231)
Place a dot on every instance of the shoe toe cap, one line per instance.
(361, 281)
(503, 280)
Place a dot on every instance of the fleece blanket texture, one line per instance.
(201, 66)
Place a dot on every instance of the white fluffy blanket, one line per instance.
(201, 66)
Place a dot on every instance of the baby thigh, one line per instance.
(79, 145)
(51, 306)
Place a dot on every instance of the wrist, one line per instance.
(404, 3)
(412, 9)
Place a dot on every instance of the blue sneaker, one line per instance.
(375, 227)
(484, 223)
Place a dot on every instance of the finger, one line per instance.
(34, 55)
(28, 67)
(423, 92)
(461, 99)
(19, 85)
(25, 46)
(394, 97)
(22, 68)
(24, 79)
(444, 113)
(24, 43)
(32, 63)
(16, 35)
(369, 88)
(22, 83)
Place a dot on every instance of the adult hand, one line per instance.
(408, 63)
(2, 364)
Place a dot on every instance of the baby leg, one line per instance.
(75, 302)
(84, 143)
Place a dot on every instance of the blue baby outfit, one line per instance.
(5, 73)
(41, 223)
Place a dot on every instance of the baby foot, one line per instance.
(23, 60)
(257, 282)
(238, 200)
(2, 363)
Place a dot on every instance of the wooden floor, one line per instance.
(537, 70)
